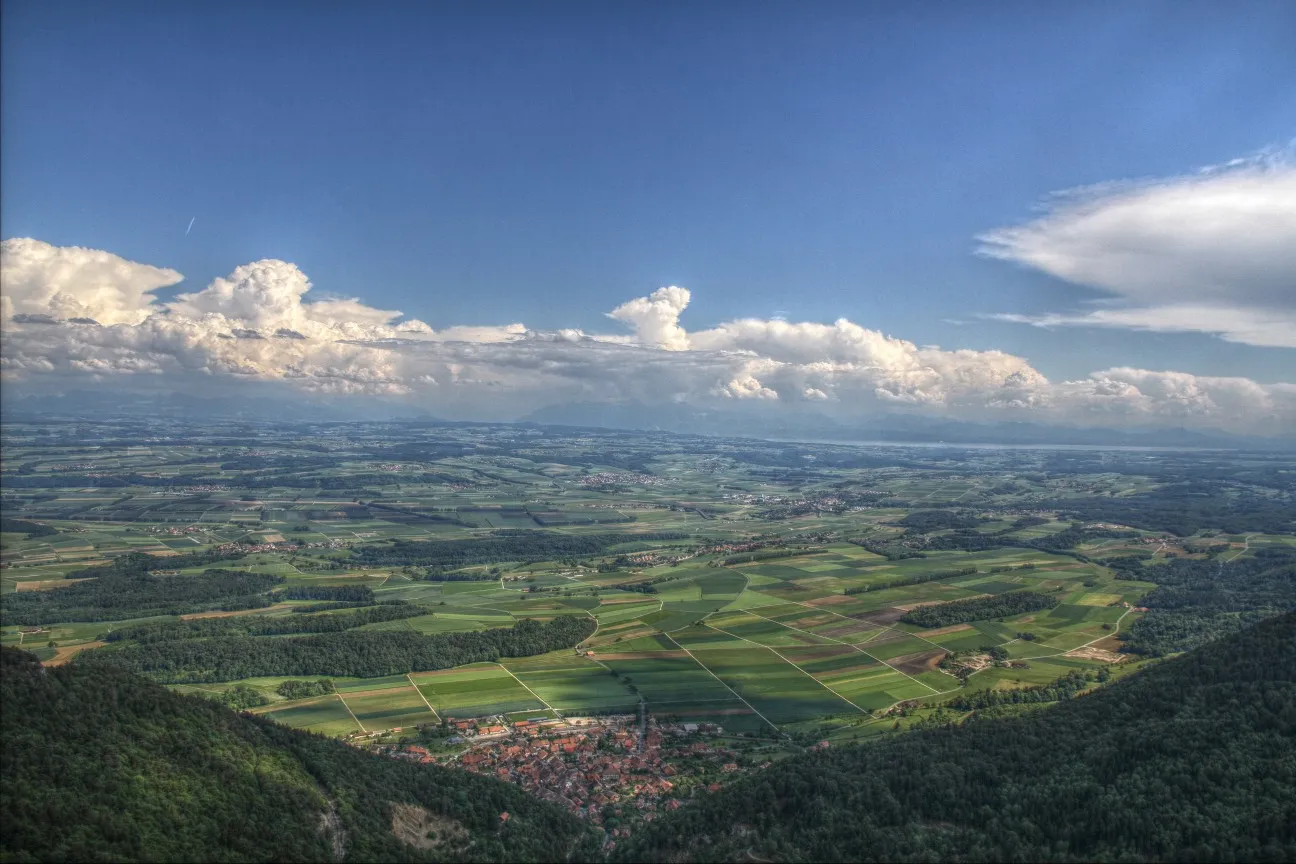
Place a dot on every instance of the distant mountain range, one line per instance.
(182, 406)
(892, 428)
(754, 421)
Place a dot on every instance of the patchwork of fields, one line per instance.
(810, 628)
(769, 646)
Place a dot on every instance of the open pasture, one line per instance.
(666, 678)
(571, 684)
(326, 714)
(477, 690)
(865, 682)
(772, 685)
(388, 708)
(762, 631)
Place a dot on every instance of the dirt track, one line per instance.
(830, 600)
(64, 654)
(194, 615)
(44, 584)
(639, 655)
(1091, 652)
(913, 664)
(943, 631)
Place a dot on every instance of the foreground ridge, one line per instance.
(103, 765)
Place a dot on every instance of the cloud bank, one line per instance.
(1212, 252)
(74, 315)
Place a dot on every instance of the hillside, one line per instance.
(1193, 760)
(101, 765)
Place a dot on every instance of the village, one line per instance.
(611, 770)
(620, 478)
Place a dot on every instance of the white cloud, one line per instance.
(71, 282)
(746, 387)
(1268, 328)
(1212, 252)
(259, 325)
(1145, 397)
(655, 318)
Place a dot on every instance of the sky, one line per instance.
(1089, 208)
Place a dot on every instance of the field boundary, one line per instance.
(424, 698)
(775, 652)
(529, 690)
(352, 713)
(773, 725)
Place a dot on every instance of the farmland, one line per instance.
(715, 580)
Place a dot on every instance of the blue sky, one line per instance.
(543, 163)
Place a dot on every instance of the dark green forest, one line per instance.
(352, 653)
(1060, 690)
(1186, 508)
(335, 593)
(1192, 760)
(978, 609)
(922, 521)
(1196, 601)
(970, 540)
(504, 545)
(199, 628)
(103, 766)
(25, 526)
(121, 591)
(769, 555)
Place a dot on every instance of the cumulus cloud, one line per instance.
(1146, 397)
(222, 330)
(655, 318)
(746, 387)
(1211, 252)
(71, 282)
(260, 325)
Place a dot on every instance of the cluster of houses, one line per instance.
(620, 478)
(176, 530)
(257, 547)
(283, 546)
(590, 764)
(760, 498)
(812, 503)
(628, 505)
(650, 559)
(733, 548)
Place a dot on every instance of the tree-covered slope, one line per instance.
(101, 765)
(1192, 760)
(364, 654)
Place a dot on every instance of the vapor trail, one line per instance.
(190, 228)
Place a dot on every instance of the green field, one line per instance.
(388, 708)
(572, 685)
(772, 685)
(474, 691)
(326, 714)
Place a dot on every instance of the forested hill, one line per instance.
(101, 765)
(1192, 760)
(364, 654)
